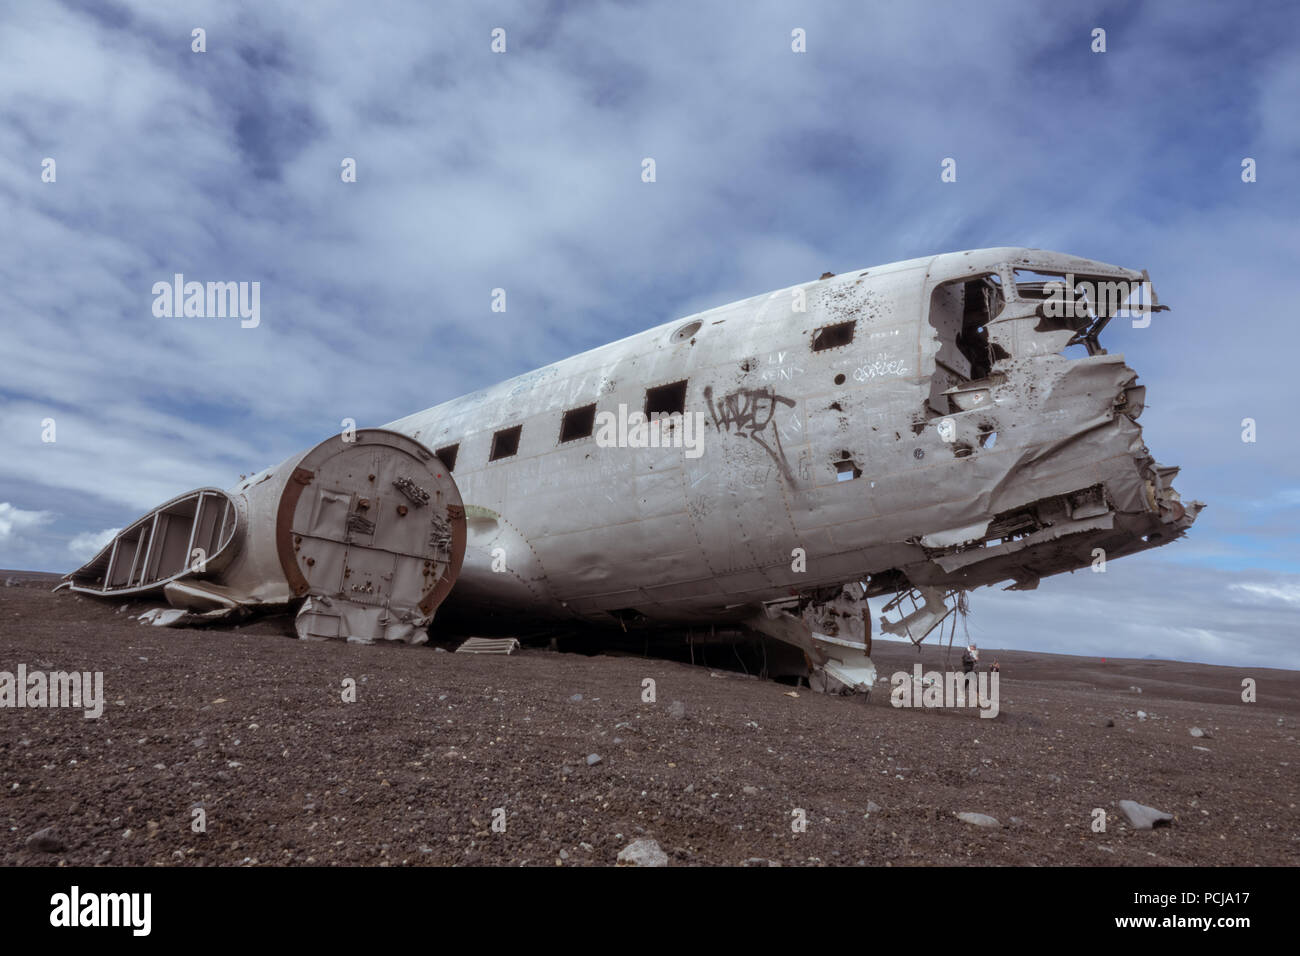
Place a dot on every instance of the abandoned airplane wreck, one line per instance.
(906, 433)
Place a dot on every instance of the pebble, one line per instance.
(978, 819)
(45, 840)
(1143, 817)
(642, 853)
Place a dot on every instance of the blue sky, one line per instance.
(522, 170)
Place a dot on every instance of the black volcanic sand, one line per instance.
(251, 726)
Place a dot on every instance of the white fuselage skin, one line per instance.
(762, 509)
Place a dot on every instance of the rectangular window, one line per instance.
(578, 423)
(505, 442)
(832, 336)
(448, 456)
(666, 399)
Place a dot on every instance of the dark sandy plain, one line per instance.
(250, 726)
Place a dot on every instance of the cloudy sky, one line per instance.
(522, 170)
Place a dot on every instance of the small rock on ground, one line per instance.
(642, 853)
(46, 840)
(978, 819)
(1143, 817)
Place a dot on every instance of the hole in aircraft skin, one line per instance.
(847, 470)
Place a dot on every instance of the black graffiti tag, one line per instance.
(752, 413)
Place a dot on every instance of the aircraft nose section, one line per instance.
(1174, 512)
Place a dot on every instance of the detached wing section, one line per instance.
(197, 527)
(369, 531)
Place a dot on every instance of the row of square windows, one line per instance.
(662, 399)
(575, 423)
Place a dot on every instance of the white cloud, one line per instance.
(15, 521)
(1146, 606)
(1286, 593)
(88, 544)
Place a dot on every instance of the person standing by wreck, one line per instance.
(969, 659)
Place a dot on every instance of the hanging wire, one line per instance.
(952, 633)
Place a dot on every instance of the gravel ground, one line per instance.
(251, 727)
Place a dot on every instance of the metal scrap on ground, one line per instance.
(489, 645)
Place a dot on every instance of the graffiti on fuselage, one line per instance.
(751, 413)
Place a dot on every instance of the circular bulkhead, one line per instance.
(368, 527)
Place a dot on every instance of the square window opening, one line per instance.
(578, 423)
(666, 399)
(505, 442)
(833, 336)
(447, 456)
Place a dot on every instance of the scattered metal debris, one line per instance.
(489, 645)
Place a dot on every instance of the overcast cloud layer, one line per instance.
(478, 170)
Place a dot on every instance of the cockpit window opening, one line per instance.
(960, 313)
(1079, 303)
(983, 300)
